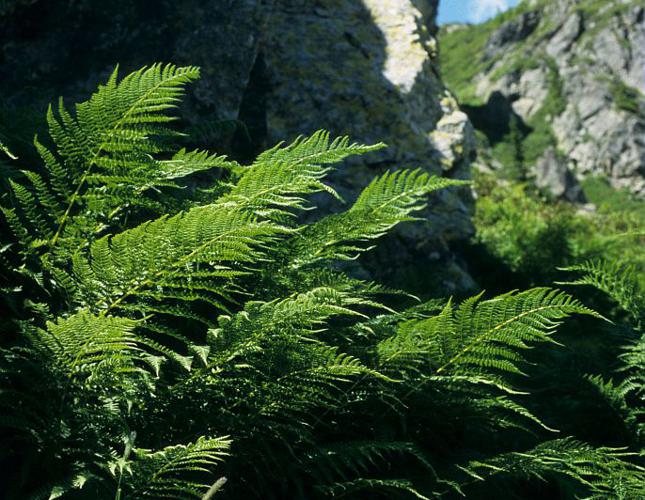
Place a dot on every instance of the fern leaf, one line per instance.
(162, 474)
(278, 180)
(146, 260)
(387, 201)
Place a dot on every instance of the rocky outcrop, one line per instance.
(552, 176)
(364, 68)
(574, 71)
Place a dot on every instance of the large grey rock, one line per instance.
(364, 68)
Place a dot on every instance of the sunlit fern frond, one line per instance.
(389, 200)
(278, 181)
(105, 158)
(84, 343)
(192, 256)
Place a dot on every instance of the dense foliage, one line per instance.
(173, 328)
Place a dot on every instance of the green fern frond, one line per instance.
(616, 280)
(387, 201)
(151, 260)
(277, 182)
(83, 343)
(489, 333)
(482, 337)
(179, 471)
(393, 488)
(606, 472)
(115, 128)
(4, 149)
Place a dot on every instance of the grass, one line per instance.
(625, 97)
(463, 47)
(608, 199)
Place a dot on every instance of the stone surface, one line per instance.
(593, 50)
(365, 68)
(553, 177)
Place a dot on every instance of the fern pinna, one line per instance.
(160, 345)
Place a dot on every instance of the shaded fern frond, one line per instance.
(606, 472)
(179, 471)
(616, 280)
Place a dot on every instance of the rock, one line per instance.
(513, 31)
(583, 63)
(364, 68)
(566, 35)
(553, 176)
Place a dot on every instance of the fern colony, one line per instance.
(171, 329)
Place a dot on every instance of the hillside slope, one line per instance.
(557, 84)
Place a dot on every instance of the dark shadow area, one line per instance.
(495, 118)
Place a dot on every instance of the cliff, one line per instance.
(568, 78)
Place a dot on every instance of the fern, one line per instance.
(104, 158)
(387, 201)
(184, 316)
(175, 472)
(625, 397)
(603, 471)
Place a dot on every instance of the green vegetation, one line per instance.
(459, 44)
(531, 236)
(625, 97)
(169, 338)
(608, 199)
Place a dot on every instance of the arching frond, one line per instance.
(604, 471)
(617, 280)
(189, 257)
(387, 201)
(179, 471)
(281, 177)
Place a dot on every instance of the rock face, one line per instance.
(575, 70)
(553, 176)
(365, 68)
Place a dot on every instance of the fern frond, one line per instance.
(115, 127)
(150, 261)
(606, 472)
(387, 201)
(179, 471)
(84, 343)
(482, 337)
(4, 149)
(393, 488)
(488, 333)
(616, 280)
(278, 180)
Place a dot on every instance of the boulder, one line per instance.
(554, 177)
